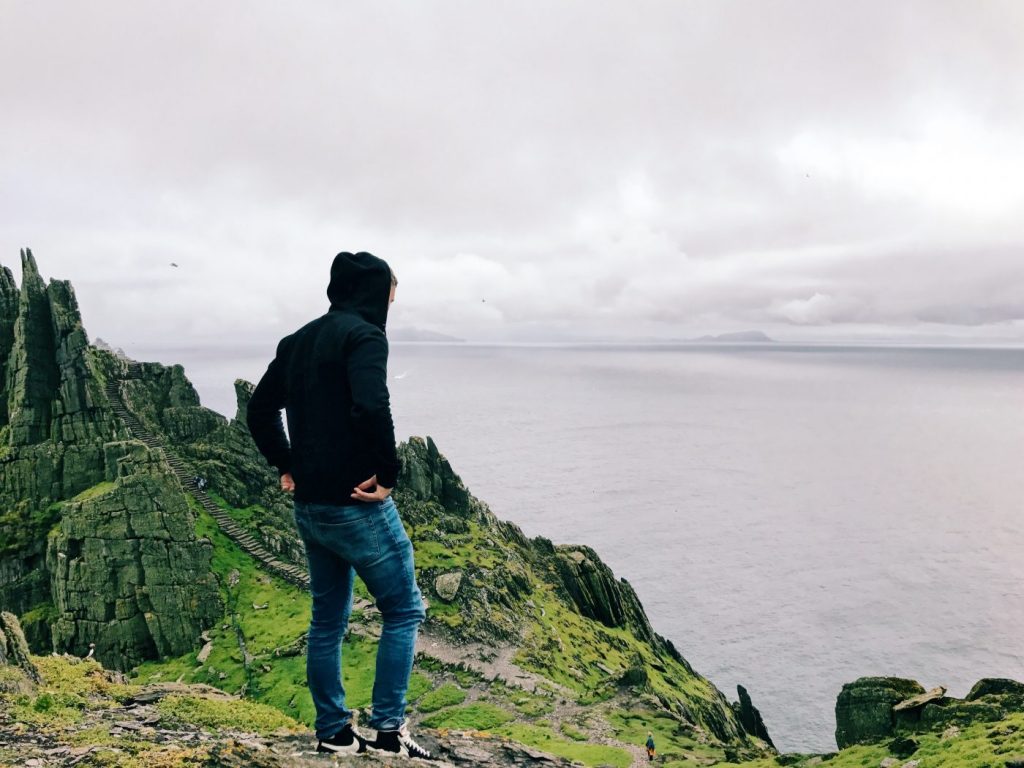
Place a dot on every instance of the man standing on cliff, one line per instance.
(330, 376)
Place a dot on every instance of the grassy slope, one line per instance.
(573, 652)
(280, 681)
(981, 745)
(64, 706)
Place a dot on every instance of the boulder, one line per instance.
(995, 686)
(914, 702)
(447, 585)
(864, 708)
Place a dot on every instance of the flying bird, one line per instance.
(173, 264)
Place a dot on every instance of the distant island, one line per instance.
(419, 334)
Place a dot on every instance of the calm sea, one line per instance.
(792, 517)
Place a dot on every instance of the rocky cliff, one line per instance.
(97, 541)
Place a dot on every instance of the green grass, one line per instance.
(981, 745)
(458, 550)
(278, 681)
(572, 732)
(96, 490)
(674, 744)
(446, 696)
(67, 689)
(545, 739)
(221, 714)
(478, 716)
(20, 526)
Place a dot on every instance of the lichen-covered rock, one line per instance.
(53, 448)
(447, 585)
(1011, 692)
(13, 648)
(864, 708)
(127, 572)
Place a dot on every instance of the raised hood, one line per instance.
(361, 283)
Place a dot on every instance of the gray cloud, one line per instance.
(573, 167)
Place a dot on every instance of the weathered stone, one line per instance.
(597, 594)
(864, 708)
(8, 314)
(13, 648)
(427, 475)
(750, 718)
(919, 701)
(32, 369)
(127, 572)
(447, 585)
(204, 652)
(995, 686)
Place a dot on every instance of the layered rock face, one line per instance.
(596, 592)
(873, 709)
(864, 708)
(154, 594)
(79, 526)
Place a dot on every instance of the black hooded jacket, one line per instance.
(330, 376)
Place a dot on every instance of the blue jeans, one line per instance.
(368, 539)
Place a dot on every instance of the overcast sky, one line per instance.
(812, 169)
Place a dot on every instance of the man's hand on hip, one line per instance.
(363, 492)
(287, 482)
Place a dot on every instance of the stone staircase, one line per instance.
(243, 538)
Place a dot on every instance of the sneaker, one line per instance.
(347, 741)
(399, 742)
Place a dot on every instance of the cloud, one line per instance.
(819, 309)
(662, 168)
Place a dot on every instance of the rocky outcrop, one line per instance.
(52, 447)
(873, 709)
(31, 367)
(13, 647)
(598, 594)
(428, 476)
(864, 708)
(127, 572)
(8, 314)
(749, 716)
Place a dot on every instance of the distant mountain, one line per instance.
(419, 334)
(737, 336)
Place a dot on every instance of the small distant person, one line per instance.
(650, 746)
(340, 461)
(200, 482)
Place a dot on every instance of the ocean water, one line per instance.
(791, 517)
